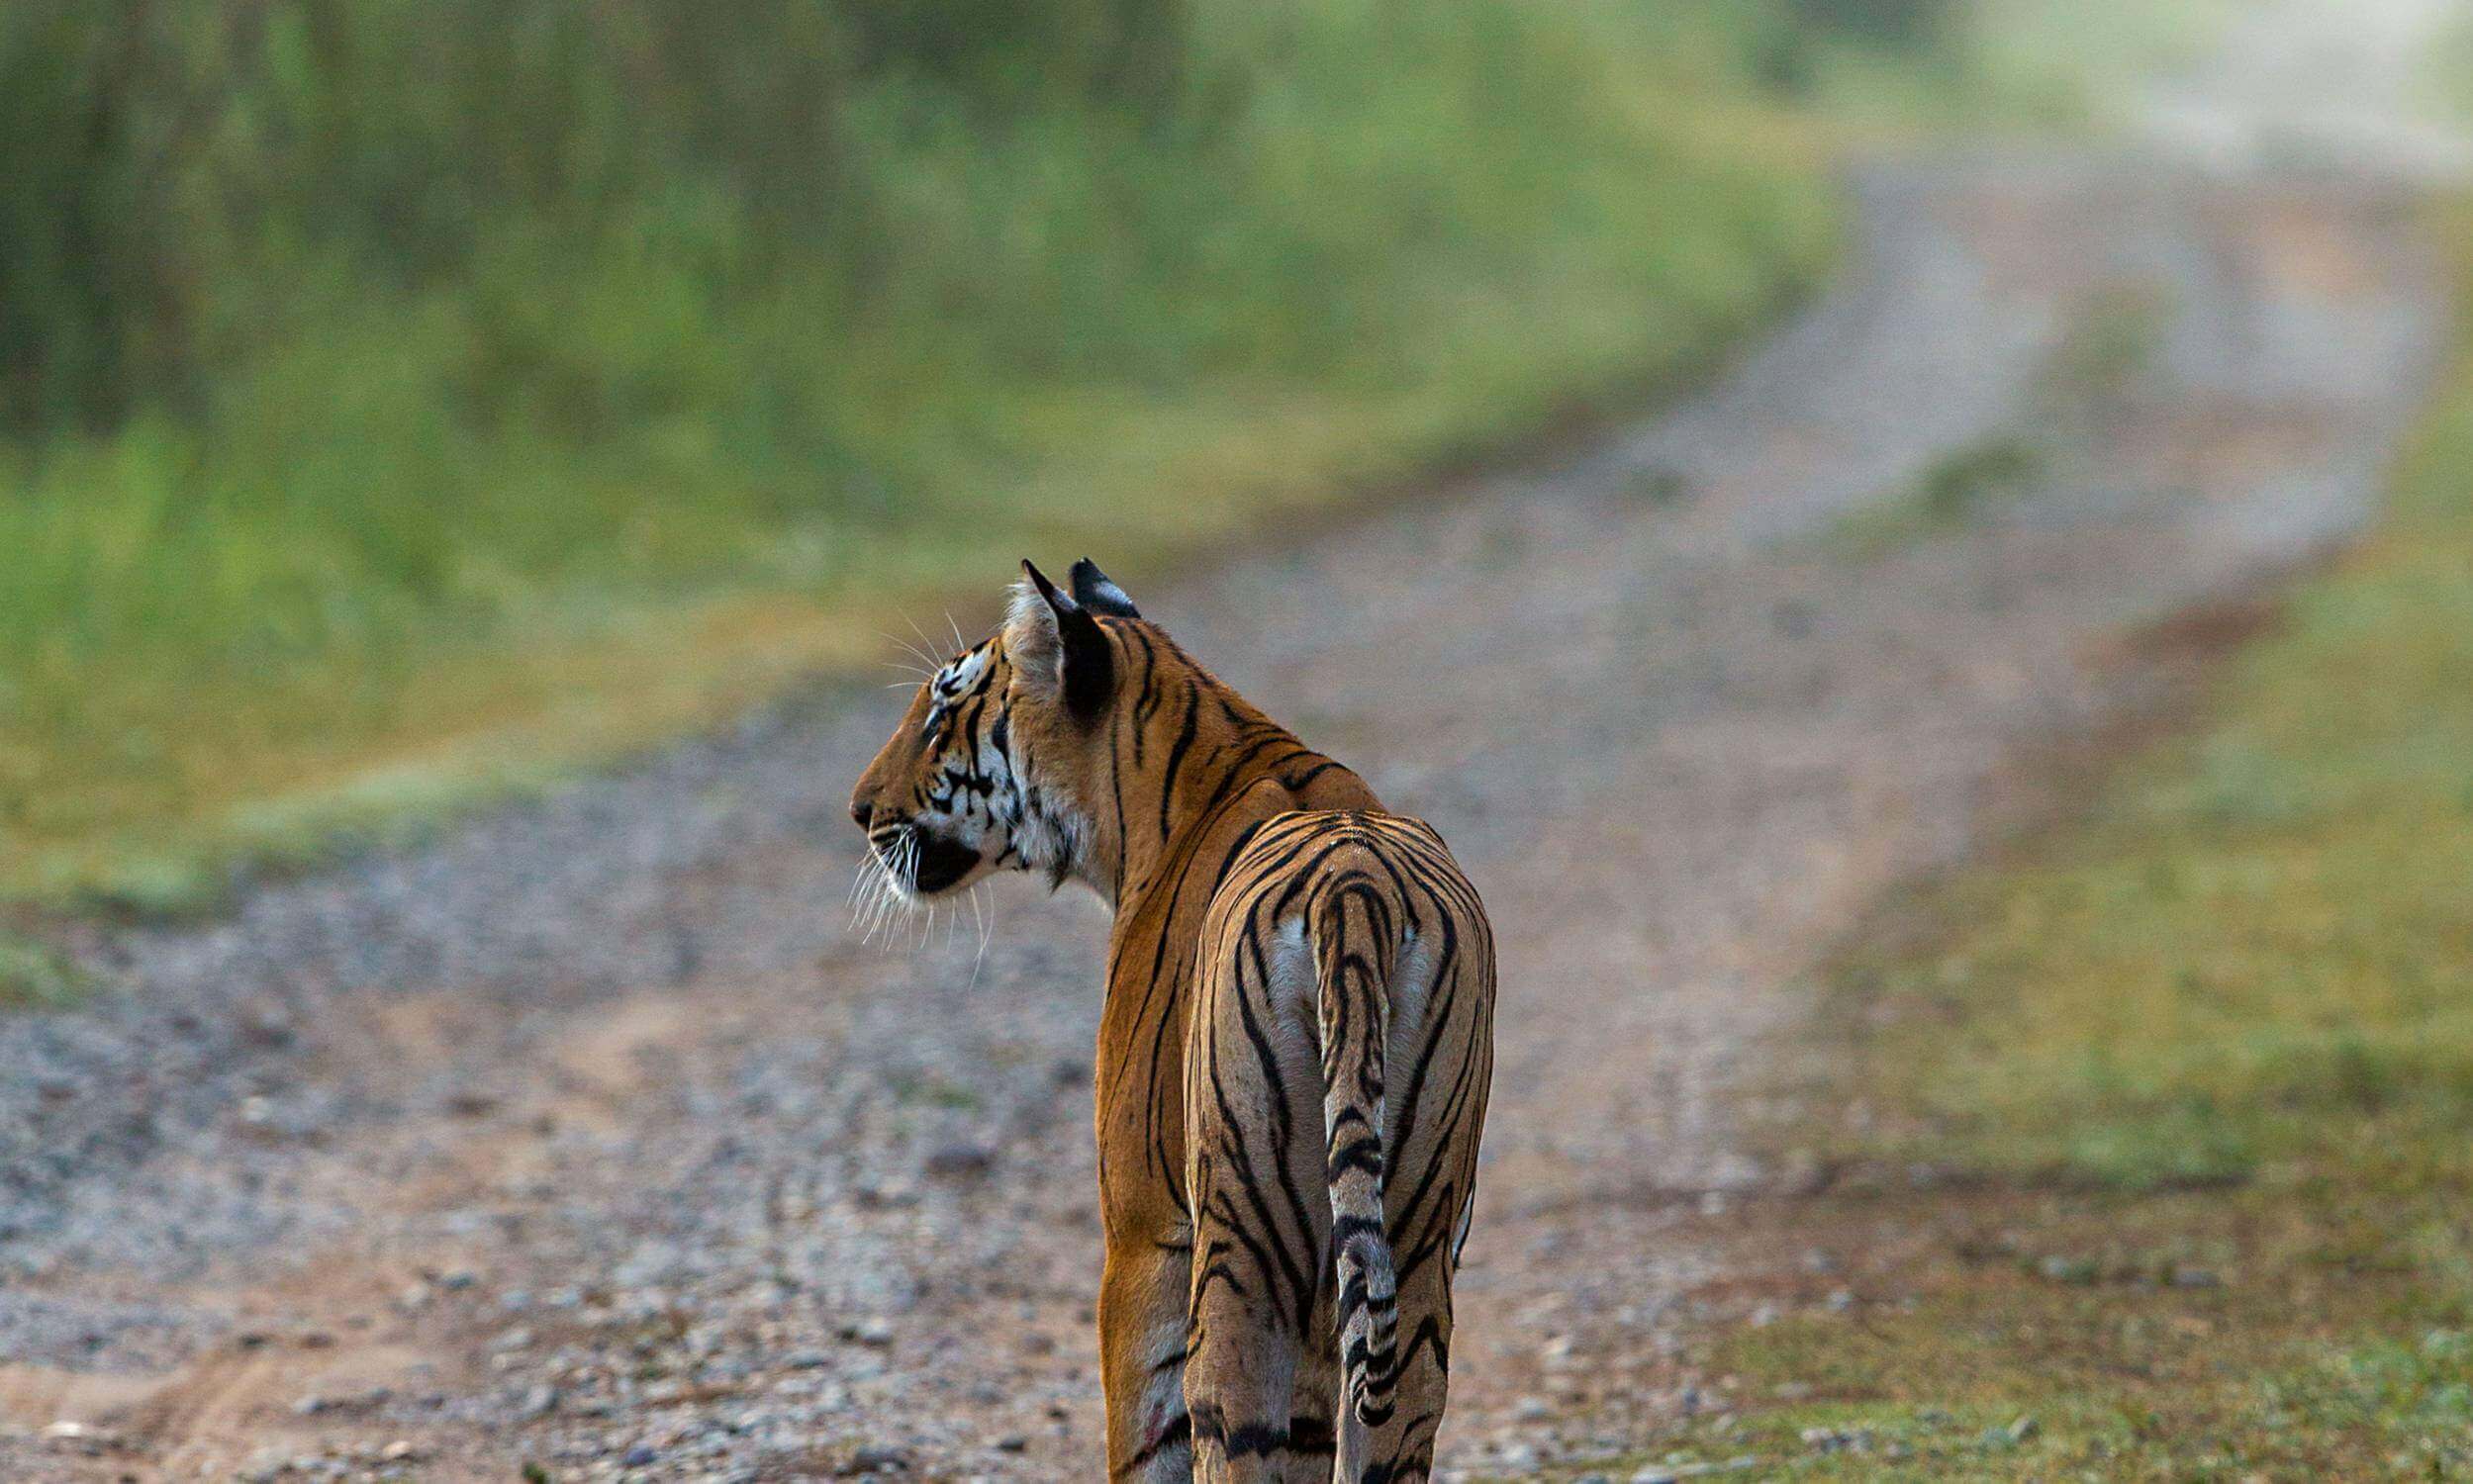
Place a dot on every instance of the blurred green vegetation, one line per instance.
(1956, 490)
(394, 393)
(2192, 1077)
(395, 399)
(34, 975)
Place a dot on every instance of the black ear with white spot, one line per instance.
(1097, 595)
(1058, 647)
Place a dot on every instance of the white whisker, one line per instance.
(878, 886)
(924, 641)
(864, 888)
(986, 926)
(925, 656)
(893, 899)
(877, 896)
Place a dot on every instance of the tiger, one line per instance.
(1296, 1044)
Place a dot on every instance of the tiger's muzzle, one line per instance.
(921, 860)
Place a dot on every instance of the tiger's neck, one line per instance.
(1194, 760)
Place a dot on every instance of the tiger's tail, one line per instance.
(1355, 942)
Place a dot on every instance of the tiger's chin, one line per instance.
(940, 866)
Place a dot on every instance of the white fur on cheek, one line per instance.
(961, 674)
(1043, 823)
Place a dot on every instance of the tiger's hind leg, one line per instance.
(1237, 1388)
(1142, 1358)
(1241, 1367)
(1314, 1399)
(1261, 1224)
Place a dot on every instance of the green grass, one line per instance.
(2193, 1078)
(398, 407)
(445, 474)
(1955, 491)
(35, 977)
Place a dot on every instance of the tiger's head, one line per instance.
(1005, 751)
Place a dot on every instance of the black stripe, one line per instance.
(1176, 756)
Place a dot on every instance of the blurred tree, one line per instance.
(165, 166)
(93, 275)
(1909, 24)
(1120, 51)
(1787, 53)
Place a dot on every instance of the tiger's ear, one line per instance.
(1058, 647)
(1097, 595)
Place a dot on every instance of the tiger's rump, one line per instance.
(1335, 1093)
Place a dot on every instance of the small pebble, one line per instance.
(956, 1161)
(879, 1461)
(873, 1330)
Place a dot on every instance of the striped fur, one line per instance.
(1295, 1047)
(1357, 964)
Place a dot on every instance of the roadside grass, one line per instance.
(2159, 1131)
(630, 463)
(421, 417)
(35, 977)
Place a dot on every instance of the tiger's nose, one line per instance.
(862, 812)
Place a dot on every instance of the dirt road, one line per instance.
(590, 1137)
